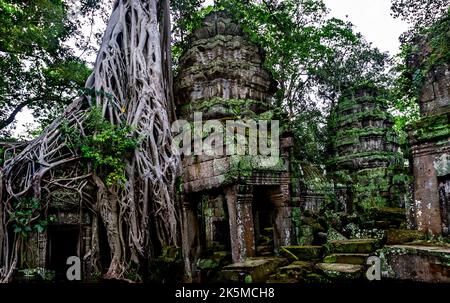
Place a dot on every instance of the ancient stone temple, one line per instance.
(430, 144)
(367, 166)
(232, 203)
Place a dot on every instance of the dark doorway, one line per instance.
(263, 220)
(444, 201)
(63, 242)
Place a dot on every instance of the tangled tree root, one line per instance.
(131, 79)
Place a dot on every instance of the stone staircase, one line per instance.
(346, 259)
(337, 260)
(264, 245)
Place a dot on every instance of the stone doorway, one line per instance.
(444, 202)
(263, 221)
(63, 242)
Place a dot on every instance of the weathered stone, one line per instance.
(341, 271)
(296, 253)
(430, 143)
(359, 259)
(402, 236)
(366, 152)
(298, 268)
(259, 269)
(354, 246)
(222, 66)
(416, 263)
(298, 271)
(222, 76)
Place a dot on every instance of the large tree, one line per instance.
(111, 148)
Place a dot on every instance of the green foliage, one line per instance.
(103, 143)
(37, 70)
(27, 217)
(39, 273)
(187, 16)
(431, 128)
(419, 13)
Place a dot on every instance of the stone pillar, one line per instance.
(283, 217)
(42, 248)
(190, 240)
(426, 191)
(239, 201)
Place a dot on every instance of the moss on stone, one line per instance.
(428, 128)
(354, 246)
(298, 252)
(341, 271)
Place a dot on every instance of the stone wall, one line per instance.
(430, 144)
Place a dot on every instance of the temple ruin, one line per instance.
(430, 144)
(367, 165)
(229, 204)
(256, 218)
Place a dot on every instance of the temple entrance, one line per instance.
(263, 221)
(63, 242)
(444, 202)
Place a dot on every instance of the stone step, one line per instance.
(260, 249)
(298, 268)
(341, 271)
(251, 270)
(297, 272)
(429, 264)
(386, 217)
(268, 231)
(363, 246)
(402, 236)
(264, 240)
(301, 252)
(359, 259)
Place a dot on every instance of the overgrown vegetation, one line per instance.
(105, 144)
(28, 216)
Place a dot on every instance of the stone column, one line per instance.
(190, 240)
(42, 249)
(283, 217)
(426, 193)
(239, 201)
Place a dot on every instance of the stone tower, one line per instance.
(367, 164)
(232, 204)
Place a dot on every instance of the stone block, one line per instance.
(297, 253)
(416, 263)
(354, 246)
(402, 236)
(252, 270)
(359, 259)
(341, 271)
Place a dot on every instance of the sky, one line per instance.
(371, 18)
